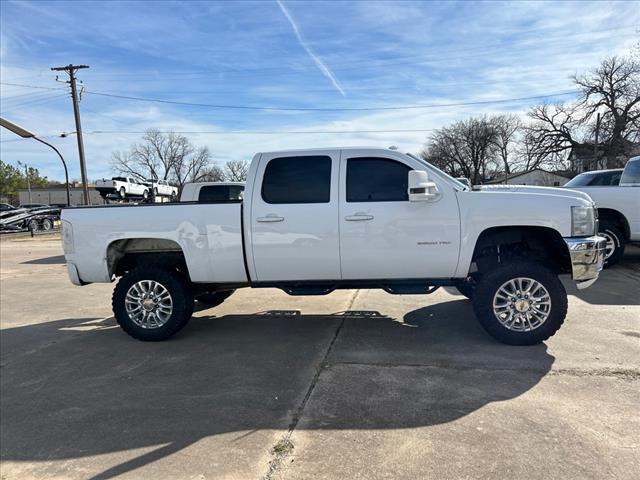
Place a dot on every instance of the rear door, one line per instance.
(294, 217)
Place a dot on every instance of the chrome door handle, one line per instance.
(358, 217)
(270, 218)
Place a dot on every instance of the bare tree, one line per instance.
(464, 149)
(236, 170)
(506, 129)
(213, 174)
(166, 156)
(611, 90)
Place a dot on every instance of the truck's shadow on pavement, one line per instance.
(80, 387)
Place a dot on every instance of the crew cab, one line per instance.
(617, 197)
(123, 187)
(162, 188)
(312, 221)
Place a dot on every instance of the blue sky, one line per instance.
(353, 55)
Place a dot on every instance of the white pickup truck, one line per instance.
(618, 206)
(123, 187)
(162, 188)
(316, 220)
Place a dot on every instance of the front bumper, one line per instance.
(587, 258)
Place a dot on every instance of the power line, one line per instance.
(241, 132)
(32, 86)
(328, 109)
(266, 132)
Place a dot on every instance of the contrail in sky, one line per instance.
(323, 68)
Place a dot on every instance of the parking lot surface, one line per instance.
(356, 384)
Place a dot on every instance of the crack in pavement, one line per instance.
(284, 446)
(622, 373)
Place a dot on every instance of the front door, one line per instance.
(385, 236)
(294, 217)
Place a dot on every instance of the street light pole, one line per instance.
(27, 134)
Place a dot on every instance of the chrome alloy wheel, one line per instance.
(522, 304)
(148, 304)
(610, 246)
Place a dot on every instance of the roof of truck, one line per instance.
(301, 150)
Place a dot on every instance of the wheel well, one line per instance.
(540, 244)
(609, 216)
(124, 255)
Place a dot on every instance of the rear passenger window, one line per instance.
(371, 179)
(297, 180)
(221, 194)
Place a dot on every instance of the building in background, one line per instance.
(536, 176)
(57, 194)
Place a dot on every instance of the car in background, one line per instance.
(213, 192)
(618, 204)
(5, 207)
(596, 178)
(31, 206)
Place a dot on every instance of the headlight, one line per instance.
(67, 237)
(583, 221)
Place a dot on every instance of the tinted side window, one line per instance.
(605, 179)
(376, 180)
(631, 173)
(297, 180)
(220, 194)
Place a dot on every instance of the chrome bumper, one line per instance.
(587, 258)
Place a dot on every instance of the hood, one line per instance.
(560, 192)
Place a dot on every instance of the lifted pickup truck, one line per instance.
(316, 220)
(618, 207)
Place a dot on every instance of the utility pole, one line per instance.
(26, 176)
(595, 145)
(71, 70)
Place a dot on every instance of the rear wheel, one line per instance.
(213, 299)
(614, 249)
(145, 194)
(152, 303)
(123, 192)
(47, 224)
(520, 303)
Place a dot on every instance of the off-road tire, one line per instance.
(490, 283)
(122, 193)
(213, 299)
(612, 233)
(145, 195)
(181, 294)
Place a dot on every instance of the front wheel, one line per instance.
(614, 249)
(520, 303)
(151, 303)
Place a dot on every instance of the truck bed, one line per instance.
(209, 235)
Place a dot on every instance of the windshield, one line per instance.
(457, 183)
(596, 179)
(631, 175)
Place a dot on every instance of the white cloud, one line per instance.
(326, 71)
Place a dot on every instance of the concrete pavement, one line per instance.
(357, 384)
